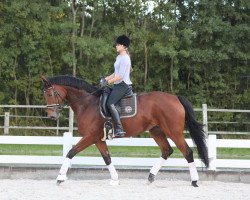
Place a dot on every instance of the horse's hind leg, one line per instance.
(166, 150)
(102, 146)
(188, 154)
(174, 128)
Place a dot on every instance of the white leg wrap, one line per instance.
(193, 172)
(113, 174)
(63, 171)
(65, 166)
(157, 166)
(112, 171)
(61, 177)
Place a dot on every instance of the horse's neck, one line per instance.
(78, 99)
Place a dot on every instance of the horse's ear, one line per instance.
(46, 83)
(44, 79)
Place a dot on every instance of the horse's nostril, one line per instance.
(53, 118)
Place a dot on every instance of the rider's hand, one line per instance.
(103, 82)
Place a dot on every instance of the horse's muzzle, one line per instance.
(54, 116)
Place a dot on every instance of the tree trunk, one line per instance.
(145, 56)
(0, 70)
(73, 37)
(82, 26)
(50, 64)
(16, 88)
(188, 81)
(90, 35)
(171, 74)
(146, 64)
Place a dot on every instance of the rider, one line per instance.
(121, 80)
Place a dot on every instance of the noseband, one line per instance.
(57, 105)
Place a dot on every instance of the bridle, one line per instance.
(58, 105)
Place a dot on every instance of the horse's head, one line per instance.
(54, 96)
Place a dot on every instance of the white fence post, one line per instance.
(212, 151)
(71, 120)
(67, 142)
(57, 126)
(204, 114)
(6, 123)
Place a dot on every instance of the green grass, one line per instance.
(144, 152)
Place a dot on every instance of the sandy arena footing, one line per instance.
(92, 183)
(99, 173)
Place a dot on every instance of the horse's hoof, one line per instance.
(114, 182)
(58, 182)
(61, 178)
(151, 178)
(194, 183)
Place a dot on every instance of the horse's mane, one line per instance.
(73, 82)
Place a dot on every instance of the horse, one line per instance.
(164, 115)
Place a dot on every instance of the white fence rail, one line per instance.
(70, 127)
(67, 140)
(7, 116)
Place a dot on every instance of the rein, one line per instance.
(97, 90)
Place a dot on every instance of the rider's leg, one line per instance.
(117, 93)
(116, 119)
(105, 95)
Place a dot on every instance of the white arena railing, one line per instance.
(8, 116)
(67, 140)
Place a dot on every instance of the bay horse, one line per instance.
(162, 114)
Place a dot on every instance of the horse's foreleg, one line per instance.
(65, 166)
(102, 147)
(81, 145)
(166, 150)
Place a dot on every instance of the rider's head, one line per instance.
(123, 40)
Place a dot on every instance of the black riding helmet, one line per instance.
(123, 40)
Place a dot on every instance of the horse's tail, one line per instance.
(196, 130)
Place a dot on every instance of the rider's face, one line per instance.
(120, 48)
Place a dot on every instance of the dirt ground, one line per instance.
(134, 189)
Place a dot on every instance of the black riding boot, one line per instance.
(116, 119)
(105, 95)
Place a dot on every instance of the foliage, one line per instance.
(199, 49)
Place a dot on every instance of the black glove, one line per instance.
(103, 82)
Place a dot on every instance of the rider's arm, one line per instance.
(114, 79)
(110, 76)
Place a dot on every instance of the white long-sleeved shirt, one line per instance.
(122, 67)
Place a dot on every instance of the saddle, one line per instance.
(127, 107)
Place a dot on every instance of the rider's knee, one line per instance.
(110, 105)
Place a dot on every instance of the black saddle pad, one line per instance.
(127, 107)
